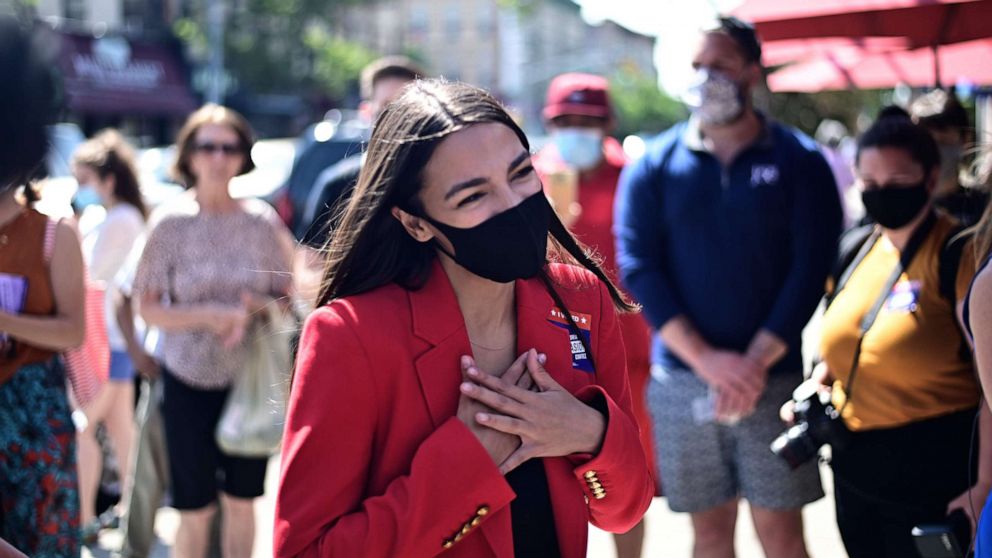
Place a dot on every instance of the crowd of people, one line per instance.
(501, 341)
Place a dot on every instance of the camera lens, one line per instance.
(796, 446)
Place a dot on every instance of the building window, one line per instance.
(419, 21)
(75, 9)
(452, 23)
(485, 23)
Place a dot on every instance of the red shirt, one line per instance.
(594, 228)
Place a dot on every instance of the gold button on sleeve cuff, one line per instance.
(590, 474)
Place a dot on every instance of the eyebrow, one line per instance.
(472, 182)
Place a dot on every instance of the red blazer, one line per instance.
(376, 464)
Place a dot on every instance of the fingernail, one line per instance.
(542, 358)
(467, 387)
(481, 417)
(466, 361)
(472, 371)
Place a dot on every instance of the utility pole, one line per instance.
(216, 14)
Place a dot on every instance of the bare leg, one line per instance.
(631, 543)
(238, 526)
(193, 532)
(714, 531)
(780, 532)
(120, 427)
(90, 456)
(89, 473)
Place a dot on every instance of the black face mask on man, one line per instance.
(893, 207)
(508, 246)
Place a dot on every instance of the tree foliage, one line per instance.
(277, 46)
(337, 62)
(640, 105)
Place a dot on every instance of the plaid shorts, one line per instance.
(704, 464)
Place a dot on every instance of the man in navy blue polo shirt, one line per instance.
(726, 231)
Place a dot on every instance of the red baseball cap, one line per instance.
(578, 94)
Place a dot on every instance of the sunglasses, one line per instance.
(226, 148)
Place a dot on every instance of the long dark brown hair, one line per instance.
(370, 248)
(108, 154)
(28, 103)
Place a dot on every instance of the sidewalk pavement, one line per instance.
(668, 534)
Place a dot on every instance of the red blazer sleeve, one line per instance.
(620, 469)
(329, 451)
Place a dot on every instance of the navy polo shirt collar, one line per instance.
(692, 137)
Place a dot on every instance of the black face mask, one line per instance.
(508, 246)
(894, 207)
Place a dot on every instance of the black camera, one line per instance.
(817, 423)
(949, 539)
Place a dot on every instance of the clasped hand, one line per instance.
(739, 382)
(541, 418)
(230, 323)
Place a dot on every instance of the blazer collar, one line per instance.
(435, 310)
(437, 316)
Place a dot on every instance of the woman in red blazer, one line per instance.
(454, 392)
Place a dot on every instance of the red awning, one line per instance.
(776, 53)
(922, 22)
(882, 70)
(118, 76)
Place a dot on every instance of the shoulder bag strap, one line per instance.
(913, 246)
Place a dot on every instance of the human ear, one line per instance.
(753, 75)
(414, 226)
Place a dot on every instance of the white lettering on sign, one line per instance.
(137, 74)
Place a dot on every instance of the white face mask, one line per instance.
(714, 98)
(580, 148)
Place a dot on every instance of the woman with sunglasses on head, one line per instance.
(210, 263)
(455, 392)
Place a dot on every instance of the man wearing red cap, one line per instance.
(579, 118)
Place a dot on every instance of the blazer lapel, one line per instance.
(438, 320)
(536, 329)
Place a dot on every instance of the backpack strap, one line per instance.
(854, 247)
(949, 262)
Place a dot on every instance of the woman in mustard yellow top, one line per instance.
(914, 398)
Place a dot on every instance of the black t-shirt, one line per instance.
(531, 514)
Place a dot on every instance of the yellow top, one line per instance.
(911, 364)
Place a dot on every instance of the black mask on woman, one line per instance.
(508, 246)
(894, 207)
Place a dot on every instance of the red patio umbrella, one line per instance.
(922, 22)
(776, 53)
(967, 61)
